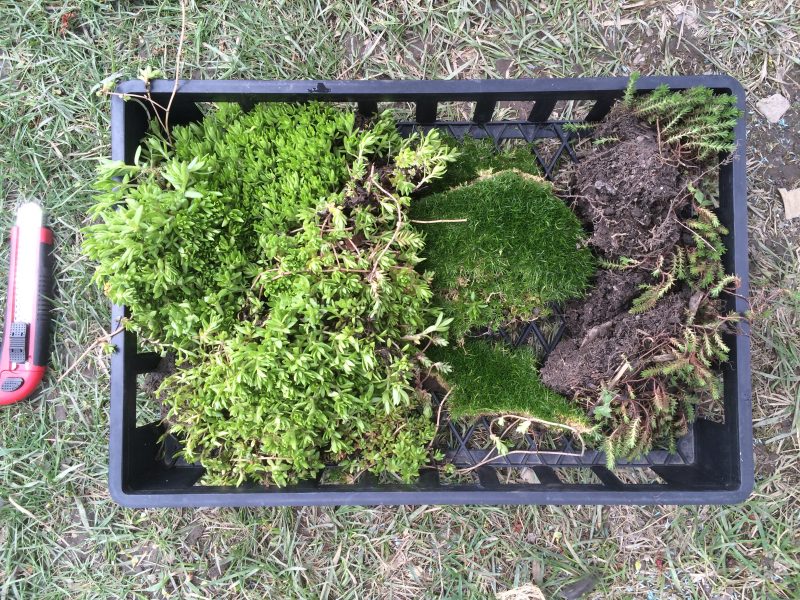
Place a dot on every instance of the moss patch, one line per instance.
(488, 379)
(520, 248)
(481, 156)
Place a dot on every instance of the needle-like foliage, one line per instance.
(696, 120)
(655, 405)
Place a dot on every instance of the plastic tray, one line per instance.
(714, 463)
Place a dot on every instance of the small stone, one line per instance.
(773, 107)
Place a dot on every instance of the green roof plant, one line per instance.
(654, 405)
(486, 378)
(479, 157)
(272, 252)
(696, 120)
(501, 249)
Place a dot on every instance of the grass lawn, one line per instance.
(62, 537)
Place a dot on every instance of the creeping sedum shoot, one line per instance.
(271, 251)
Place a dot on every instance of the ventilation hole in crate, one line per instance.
(148, 409)
(445, 438)
(401, 111)
(516, 139)
(554, 440)
(577, 476)
(467, 442)
(458, 478)
(638, 476)
(549, 153)
(480, 439)
(345, 106)
(206, 108)
(517, 476)
(550, 329)
(386, 478)
(541, 334)
(547, 147)
(513, 110)
(455, 111)
(571, 110)
(581, 109)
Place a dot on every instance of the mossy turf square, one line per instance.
(489, 379)
(503, 248)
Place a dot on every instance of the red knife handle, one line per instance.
(26, 347)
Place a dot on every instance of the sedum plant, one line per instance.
(654, 406)
(271, 251)
(699, 265)
(695, 120)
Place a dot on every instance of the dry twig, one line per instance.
(178, 66)
(103, 338)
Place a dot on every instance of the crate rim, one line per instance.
(590, 88)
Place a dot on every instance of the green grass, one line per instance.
(519, 249)
(487, 379)
(62, 537)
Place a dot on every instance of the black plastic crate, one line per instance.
(714, 463)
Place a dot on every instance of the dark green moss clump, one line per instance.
(519, 249)
(488, 379)
(481, 156)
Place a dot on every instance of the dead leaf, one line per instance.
(791, 202)
(580, 588)
(694, 303)
(618, 22)
(685, 14)
(526, 592)
(773, 107)
(642, 4)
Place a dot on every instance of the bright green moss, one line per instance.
(519, 249)
(488, 379)
(480, 156)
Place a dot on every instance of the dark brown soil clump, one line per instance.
(627, 191)
(612, 293)
(601, 334)
(630, 195)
